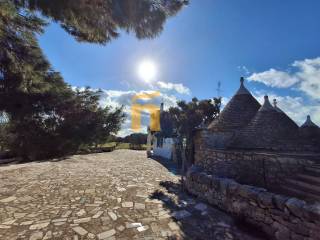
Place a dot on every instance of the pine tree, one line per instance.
(48, 118)
(100, 21)
(186, 116)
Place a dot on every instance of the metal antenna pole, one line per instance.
(219, 89)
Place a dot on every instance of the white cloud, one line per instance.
(124, 98)
(274, 78)
(309, 73)
(244, 70)
(178, 87)
(305, 78)
(224, 102)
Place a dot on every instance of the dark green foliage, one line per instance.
(136, 139)
(114, 139)
(100, 21)
(187, 116)
(76, 122)
(166, 125)
(47, 118)
(3, 136)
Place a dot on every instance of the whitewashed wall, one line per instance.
(166, 150)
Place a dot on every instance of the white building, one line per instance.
(159, 146)
(163, 147)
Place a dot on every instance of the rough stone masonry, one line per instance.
(279, 216)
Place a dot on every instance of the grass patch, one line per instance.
(121, 145)
(110, 144)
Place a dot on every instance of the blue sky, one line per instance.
(274, 44)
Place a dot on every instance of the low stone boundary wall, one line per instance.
(257, 168)
(280, 217)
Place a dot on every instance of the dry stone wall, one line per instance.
(278, 216)
(264, 169)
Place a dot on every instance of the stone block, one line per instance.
(301, 229)
(296, 206)
(215, 183)
(279, 201)
(250, 192)
(268, 229)
(223, 186)
(239, 207)
(312, 212)
(282, 233)
(275, 213)
(107, 234)
(265, 199)
(295, 236)
(79, 230)
(233, 188)
(257, 214)
(206, 180)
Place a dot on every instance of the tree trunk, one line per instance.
(179, 149)
(189, 150)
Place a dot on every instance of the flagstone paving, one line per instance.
(117, 195)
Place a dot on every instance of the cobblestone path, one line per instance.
(118, 195)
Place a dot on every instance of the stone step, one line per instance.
(313, 171)
(308, 178)
(8, 160)
(292, 191)
(304, 186)
(313, 168)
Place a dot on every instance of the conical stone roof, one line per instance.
(285, 119)
(309, 124)
(270, 129)
(275, 105)
(309, 131)
(237, 113)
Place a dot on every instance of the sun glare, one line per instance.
(147, 70)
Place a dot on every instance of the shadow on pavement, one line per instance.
(169, 164)
(198, 221)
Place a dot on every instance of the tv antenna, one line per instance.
(219, 89)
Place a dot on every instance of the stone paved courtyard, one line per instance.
(118, 195)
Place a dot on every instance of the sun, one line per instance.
(147, 70)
